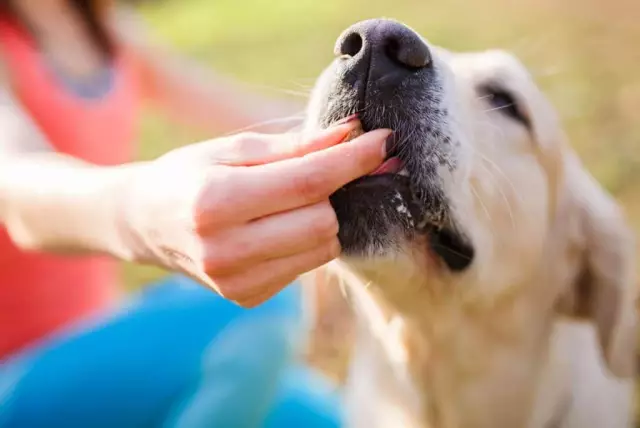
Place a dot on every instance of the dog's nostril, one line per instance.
(407, 53)
(351, 45)
(380, 47)
(392, 50)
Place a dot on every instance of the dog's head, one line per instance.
(480, 195)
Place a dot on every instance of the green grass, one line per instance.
(581, 53)
(585, 64)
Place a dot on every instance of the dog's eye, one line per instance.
(504, 102)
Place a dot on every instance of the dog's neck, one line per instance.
(438, 363)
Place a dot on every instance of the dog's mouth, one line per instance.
(391, 165)
(386, 74)
(424, 217)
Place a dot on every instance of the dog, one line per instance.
(491, 276)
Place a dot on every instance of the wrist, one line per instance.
(131, 244)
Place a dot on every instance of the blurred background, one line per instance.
(583, 53)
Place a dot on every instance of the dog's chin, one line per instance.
(376, 214)
(384, 212)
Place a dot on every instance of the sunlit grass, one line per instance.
(583, 54)
(581, 58)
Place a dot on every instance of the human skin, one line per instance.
(244, 215)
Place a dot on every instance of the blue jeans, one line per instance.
(177, 356)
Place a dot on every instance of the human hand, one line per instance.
(249, 213)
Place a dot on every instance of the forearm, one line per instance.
(197, 94)
(51, 202)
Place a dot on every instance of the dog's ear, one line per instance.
(603, 288)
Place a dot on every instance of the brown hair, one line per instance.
(93, 12)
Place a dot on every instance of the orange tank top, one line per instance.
(41, 293)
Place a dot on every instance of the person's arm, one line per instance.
(195, 94)
(53, 202)
(244, 215)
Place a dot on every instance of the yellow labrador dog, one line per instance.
(492, 276)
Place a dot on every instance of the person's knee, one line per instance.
(305, 398)
(240, 374)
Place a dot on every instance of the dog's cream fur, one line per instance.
(540, 332)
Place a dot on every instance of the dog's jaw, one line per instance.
(468, 349)
(423, 358)
(380, 215)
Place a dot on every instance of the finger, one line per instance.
(294, 183)
(266, 148)
(268, 278)
(268, 291)
(249, 149)
(272, 237)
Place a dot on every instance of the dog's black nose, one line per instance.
(384, 49)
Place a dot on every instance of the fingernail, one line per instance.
(389, 144)
(347, 119)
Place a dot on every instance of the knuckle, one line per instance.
(250, 144)
(294, 142)
(364, 153)
(325, 222)
(216, 265)
(310, 186)
(251, 304)
(272, 288)
(229, 290)
(285, 281)
(365, 159)
(240, 145)
(255, 302)
(332, 251)
(205, 221)
(253, 298)
(244, 291)
(245, 302)
(213, 267)
(216, 199)
(243, 139)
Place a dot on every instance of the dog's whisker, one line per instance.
(498, 108)
(479, 199)
(450, 250)
(504, 176)
(307, 87)
(281, 120)
(460, 305)
(299, 94)
(503, 196)
(280, 90)
(496, 184)
(342, 286)
(493, 164)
